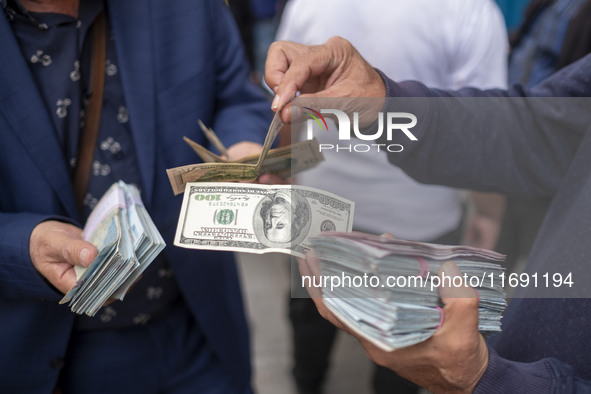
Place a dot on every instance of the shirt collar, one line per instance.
(12, 8)
(88, 10)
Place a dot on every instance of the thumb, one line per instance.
(79, 252)
(453, 284)
(460, 301)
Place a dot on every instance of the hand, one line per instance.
(333, 69)
(243, 149)
(482, 232)
(452, 361)
(483, 226)
(55, 248)
(271, 179)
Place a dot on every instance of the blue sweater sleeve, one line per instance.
(544, 376)
(511, 154)
(512, 142)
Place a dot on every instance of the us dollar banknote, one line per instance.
(255, 218)
(283, 162)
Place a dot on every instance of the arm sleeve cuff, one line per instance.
(406, 89)
(504, 376)
(18, 277)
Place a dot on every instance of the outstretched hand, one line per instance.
(333, 69)
(452, 361)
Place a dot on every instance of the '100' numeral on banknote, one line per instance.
(258, 218)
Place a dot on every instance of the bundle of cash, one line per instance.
(258, 218)
(387, 290)
(127, 241)
(284, 162)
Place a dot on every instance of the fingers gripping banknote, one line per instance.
(283, 162)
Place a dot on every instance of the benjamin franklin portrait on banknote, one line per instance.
(284, 215)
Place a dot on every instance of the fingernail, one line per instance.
(452, 270)
(275, 103)
(84, 256)
(294, 113)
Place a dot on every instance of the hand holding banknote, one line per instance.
(245, 161)
(127, 241)
(55, 248)
(243, 149)
(452, 361)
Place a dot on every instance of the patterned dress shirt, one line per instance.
(58, 50)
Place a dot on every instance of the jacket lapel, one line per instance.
(23, 109)
(132, 27)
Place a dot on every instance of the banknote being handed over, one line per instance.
(254, 218)
(282, 162)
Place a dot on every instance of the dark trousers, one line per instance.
(169, 355)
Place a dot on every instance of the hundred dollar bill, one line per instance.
(283, 162)
(258, 218)
(290, 160)
(210, 172)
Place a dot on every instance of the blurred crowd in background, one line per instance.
(512, 41)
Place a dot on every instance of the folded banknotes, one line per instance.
(387, 290)
(283, 162)
(127, 241)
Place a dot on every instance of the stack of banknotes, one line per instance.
(127, 241)
(386, 289)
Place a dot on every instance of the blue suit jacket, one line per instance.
(180, 61)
